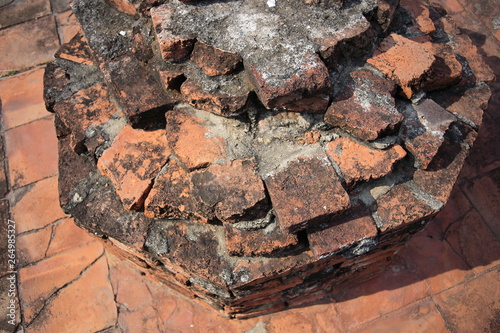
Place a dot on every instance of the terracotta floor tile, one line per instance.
(23, 10)
(18, 52)
(484, 193)
(40, 281)
(395, 288)
(485, 154)
(473, 306)
(68, 25)
(32, 247)
(316, 318)
(66, 235)
(85, 305)
(437, 262)
(31, 152)
(22, 98)
(38, 206)
(423, 317)
(474, 241)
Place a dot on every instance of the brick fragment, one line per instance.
(132, 162)
(360, 163)
(305, 192)
(171, 79)
(87, 108)
(404, 61)
(76, 50)
(472, 103)
(214, 61)
(257, 243)
(366, 108)
(445, 71)
(423, 130)
(138, 91)
(400, 207)
(476, 69)
(233, 191)
(385, 12)
(190, 137)
(171, 196)
(309, 81)
(173, 47)
(342, 232)
(421, 14)
(216, 102)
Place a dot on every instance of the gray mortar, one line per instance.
(274, 39)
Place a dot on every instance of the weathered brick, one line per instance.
(132, 162)
(76, 50)
(478, 71)
(214, 61)
(310, 81)
(193, 139)
(385, 12)
(216, 102)
(471, 104)
(366, 108)
(172, 47)
(263, 242)
(87, 108)
(423, 130)
(361, 163)
(445, 71)
(305, 192)
(233, 191)
(404, 61)
(400, 207)
(138, 91)
(342, 232)
(171, 79)
(421, 14)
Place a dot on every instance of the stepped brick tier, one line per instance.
(253, 154)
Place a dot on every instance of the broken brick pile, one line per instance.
(254, 154)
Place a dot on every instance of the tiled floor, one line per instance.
(447, 278)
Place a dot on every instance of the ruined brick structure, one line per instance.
(254, 154)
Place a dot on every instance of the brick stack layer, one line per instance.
(254, 155)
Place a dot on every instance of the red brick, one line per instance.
(214, 61)
(385, 12)
(262, 242)
(172, 47)
(138, 90)
(132, 162)
(404, 61)
(76, 50)
(421, 14)
(361, 163)
(423, 131)
(219, 103)
(445, 71)
(342, 232)
(171, 79)
(193, 139)
(171, 196)
(306, 191)
(400, 207)
(366, 109)
(462, 45)
(311, 80)
(472, 104)
(86, 109)
(233, 190)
